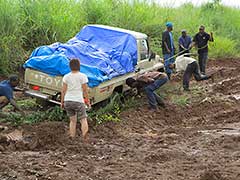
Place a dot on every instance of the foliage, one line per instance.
(27, 24)
(224, 47)
(111, 112)
(181, 100)
(52, 114)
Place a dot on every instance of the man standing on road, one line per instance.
(184, 42)
(200, 40)
(6, 93)
(149, 81)
(168, 48)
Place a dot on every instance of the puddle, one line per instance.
(236, 96)
(224, 131)
(16, 135)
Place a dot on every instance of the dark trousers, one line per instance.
(153, 98)
(192, 69)
(202, 60)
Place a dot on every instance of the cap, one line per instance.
(169, 24)
(184, 30)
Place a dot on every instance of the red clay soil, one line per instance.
(200, 141)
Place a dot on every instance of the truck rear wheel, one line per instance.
(43, 103)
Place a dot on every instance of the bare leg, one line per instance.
(84, 127)
(3, 102)
(72, 126)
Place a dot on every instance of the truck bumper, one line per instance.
(41, 96)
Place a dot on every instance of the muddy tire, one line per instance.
(43, 103)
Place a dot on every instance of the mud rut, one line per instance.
(196, 142)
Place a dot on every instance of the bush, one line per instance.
(26, 24)
(223, 47)
(53, 114)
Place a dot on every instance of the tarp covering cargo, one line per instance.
(104, 53)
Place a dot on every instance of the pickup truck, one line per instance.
(48, 88)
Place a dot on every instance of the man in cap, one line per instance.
(200, 40)
(168, 48)
(184, 42)
(6, 92)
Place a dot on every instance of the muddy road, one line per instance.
(196, 141)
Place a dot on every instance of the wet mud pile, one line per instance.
(200, 141)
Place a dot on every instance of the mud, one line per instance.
(200, 141)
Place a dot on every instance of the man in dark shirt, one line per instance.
(184, 43)
(6, 92)
(168, 48)
(149, 82)
(200, 40)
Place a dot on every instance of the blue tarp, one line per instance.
(104, 53)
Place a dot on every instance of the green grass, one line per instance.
(27, 24)
(34, 113)
(111, 112)
(181, 100)
(52, 114)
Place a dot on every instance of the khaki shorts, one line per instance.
(75, 108)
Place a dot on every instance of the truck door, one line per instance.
(143, 56)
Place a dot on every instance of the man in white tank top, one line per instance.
(190, 67)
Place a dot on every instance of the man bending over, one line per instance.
(190, 67)
(6, 92)
(150, 81)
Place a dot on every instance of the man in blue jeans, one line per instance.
(150, 81)
(168, 48)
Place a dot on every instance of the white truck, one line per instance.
(48, 88)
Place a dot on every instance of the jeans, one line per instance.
(192, 69)
(153, 98)
(167, 61)
(202, 60)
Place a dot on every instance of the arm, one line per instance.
(190, 43)
(211, 37)
(85, 94)
(194, 41)
(182, 46)
(181, 43)
(164, 42)
(63, 92)
(166, 46)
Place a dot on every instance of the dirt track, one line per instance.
(200, 141)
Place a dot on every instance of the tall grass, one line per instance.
(27, 24)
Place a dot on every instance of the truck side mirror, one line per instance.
(152, 55)
(137, 69)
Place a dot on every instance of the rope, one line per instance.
(183, 51)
